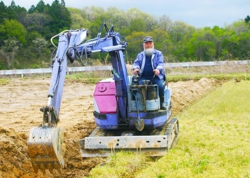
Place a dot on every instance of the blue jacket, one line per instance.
(157, 62)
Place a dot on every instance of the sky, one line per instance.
(198, 13)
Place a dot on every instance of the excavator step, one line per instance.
(102, 143)
(45, 148)
(104, 146)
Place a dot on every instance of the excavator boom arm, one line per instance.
(45, 141)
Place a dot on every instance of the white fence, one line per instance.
(94, 68)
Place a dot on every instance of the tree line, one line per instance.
(25, 34)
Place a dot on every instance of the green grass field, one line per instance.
(214, 141)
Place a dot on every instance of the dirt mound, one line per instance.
(21, 100)
(184, 93)
(13, 157)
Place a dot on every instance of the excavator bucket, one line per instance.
(45, 148)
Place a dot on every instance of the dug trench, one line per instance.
(21, 99)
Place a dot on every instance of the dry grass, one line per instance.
(4, 81)
(223, 69)
(214, 140)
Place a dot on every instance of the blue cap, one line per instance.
(147, 39)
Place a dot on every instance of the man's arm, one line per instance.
(137, 64)
(159, 62)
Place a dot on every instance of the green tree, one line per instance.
(244, 44)
(21, 13)
(40, 44)
(179, 34)
(229, 45)
(137, 25)
(201, 47)
(8, 51)
(77, 21)
(162, 41)
(151, 22)
(165, 23)
(95, 27)
(135, 13)
(118, 18)
(235, 44)
(3, 12)
(219, 37)
(63, 3)
(91, 13)
(40, 7)
(12, 29)
(32, 9)
(11, 10)
(33, 35)
(247, 19)
(37, 22)
(135, 44)
(61, 17)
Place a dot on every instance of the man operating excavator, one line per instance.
(150, 66)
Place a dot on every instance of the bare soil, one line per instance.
(20, 101)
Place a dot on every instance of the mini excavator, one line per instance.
(127, 115)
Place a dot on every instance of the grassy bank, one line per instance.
(93, 78)
(214, 141)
